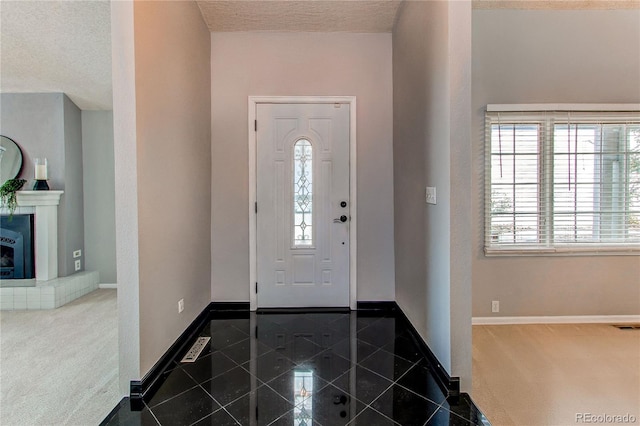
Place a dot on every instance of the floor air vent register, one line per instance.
(196, 349)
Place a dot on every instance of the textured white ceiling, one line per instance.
(65, 46)
(360, 16)
(57, 46)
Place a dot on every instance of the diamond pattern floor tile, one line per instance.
(333, 369)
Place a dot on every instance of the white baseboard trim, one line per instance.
(578, 319)
(108, 285)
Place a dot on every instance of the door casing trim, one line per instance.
(353, 226)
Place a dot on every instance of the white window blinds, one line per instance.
(562, 181)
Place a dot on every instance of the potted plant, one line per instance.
(8, 194)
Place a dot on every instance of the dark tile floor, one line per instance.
(326, 369)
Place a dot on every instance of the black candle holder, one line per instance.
(41, 185)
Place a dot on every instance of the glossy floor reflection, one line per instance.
(327, 369)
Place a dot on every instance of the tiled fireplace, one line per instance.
(47, 290)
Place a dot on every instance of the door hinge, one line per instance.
(255, 125)
(256, 331)
(256, 288)
(256, 206)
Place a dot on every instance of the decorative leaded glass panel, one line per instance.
(302, 193)
(303, 398)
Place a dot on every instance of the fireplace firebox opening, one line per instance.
(17, 260)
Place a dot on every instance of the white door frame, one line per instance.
(353, 227)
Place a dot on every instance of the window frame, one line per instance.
(547, 116)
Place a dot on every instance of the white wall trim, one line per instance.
(253, 102)
(108, 285)
(577, 319)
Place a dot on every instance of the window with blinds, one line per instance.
(562, 181)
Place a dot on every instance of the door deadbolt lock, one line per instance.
(340, 219)
(343, 204)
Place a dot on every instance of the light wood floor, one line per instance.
(60, 366)
(548, 374)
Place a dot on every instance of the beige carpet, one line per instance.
(60, 367)
(551, 374)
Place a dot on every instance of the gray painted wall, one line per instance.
(72, 210)
(589, 56)
(173, 143)
(48, 125)
(162, 149)
(431, 147)
(99, 194)
(301, 64)
(126, 197)
(410, 100)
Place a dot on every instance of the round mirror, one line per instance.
(10, 159)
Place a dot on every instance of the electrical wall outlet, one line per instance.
(495, 306)
(78, 265)
(180, 305)
(77, 253)
(430, 194)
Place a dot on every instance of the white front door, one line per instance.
(302, 193)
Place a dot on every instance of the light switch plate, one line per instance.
(431, 195)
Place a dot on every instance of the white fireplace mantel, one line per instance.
(44, 206)
(39, 198)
